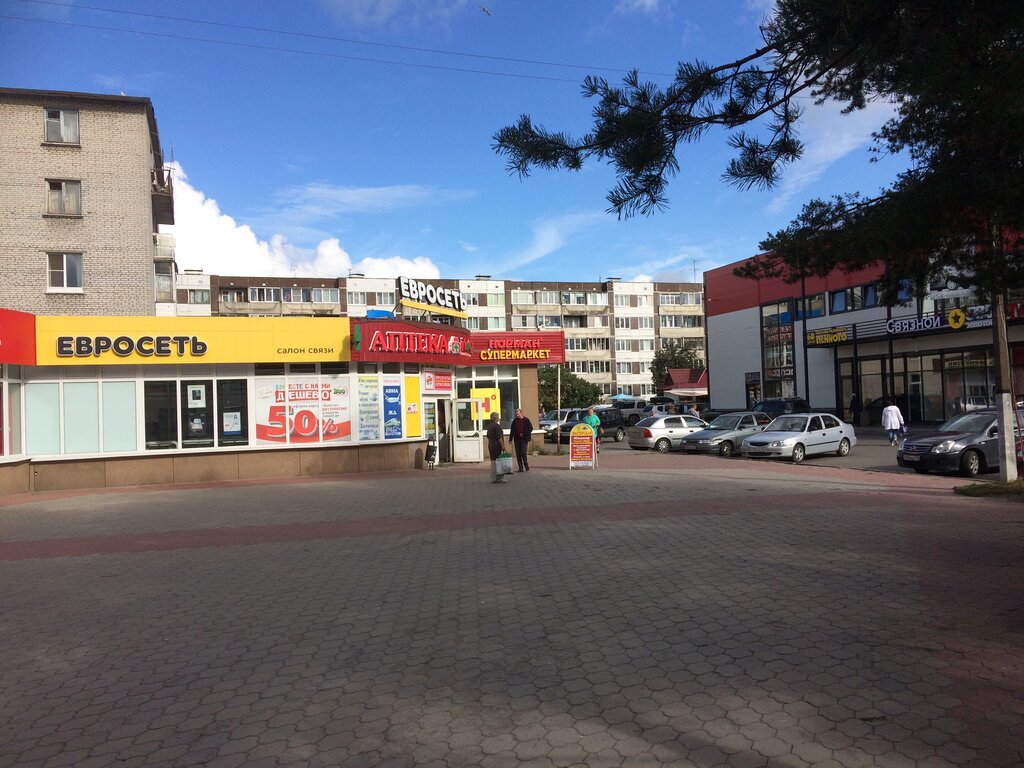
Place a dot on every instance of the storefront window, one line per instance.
(161, 409)
(232, 413)
(14, 418)
(81, 417)
(119, 420)
(777, 349)
(197, 414)
(42, 414)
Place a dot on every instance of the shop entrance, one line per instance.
(469, 445)
(437, 418)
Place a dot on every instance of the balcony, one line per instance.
(162, 192)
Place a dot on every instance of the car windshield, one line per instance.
(788, 424)
(967, 422)
(650, 421)
(726, 421)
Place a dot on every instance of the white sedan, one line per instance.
(797, 435)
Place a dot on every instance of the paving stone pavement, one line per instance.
(664, 610)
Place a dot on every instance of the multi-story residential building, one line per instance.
(83, 193)
(612, 328)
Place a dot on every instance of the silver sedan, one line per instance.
(663, 433)
(726, 433)
(797, 435)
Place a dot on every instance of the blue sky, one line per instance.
(362, 141)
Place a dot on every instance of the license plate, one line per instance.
(911, 458)
(757, 451)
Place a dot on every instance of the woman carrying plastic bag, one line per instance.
(496, 449)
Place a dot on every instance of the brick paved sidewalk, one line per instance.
(664, 611)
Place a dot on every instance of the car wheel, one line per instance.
(798, 453)
(620, 435)
(663, 445)
(970, 464)
(725, 449)
(844, 447)
(921, 470)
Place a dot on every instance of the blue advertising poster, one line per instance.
(392, 411)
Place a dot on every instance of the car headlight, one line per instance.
(780, 443)
(944, 447)
(713, 441)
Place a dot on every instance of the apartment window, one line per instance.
(621, 299)
(325, 295)
(690, 298)
(645, 322)
(693, 343)
(523, 321)
(597, 299)
(264, 294)
(577, 366)
(622, 322)
(573, 321)
(574, 344)
(473, 323)
(848, 299)
(600, 366)
(164, 280)
(232, 295)
(296, 295)
(549, 321)
(198, 296)
(496, 323)
(495, 299)
(522, 297)
(645, 366)
(385, 298)
(646, 345)
(547, 297)
(623, 345)
(62, 126)
(599, 345)
(65, 270)
(623, 367)
(469, 299)
(64, 198)
(669, 298)
(646, 389)
(643, 301)
(356, 297)
(606, 389)
(599, 321)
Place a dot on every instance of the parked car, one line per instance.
(612, 423)
(551, 421)
(968, 443)
(725, 434)
(663, 433)
(632, 410)
(660, 409)
(797, 435)
(778, 406)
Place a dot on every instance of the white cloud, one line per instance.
(641, 278)
(687, 262)
(549, 235)
(468, 247)
(209, 239)
(642, 6)
(828, 136)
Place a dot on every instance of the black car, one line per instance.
(967, 443)
(612, 422)
(780, 406)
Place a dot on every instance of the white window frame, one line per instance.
(68, 128)
(198, 296)
(623, 345)
(62, 198)
(495, 323)
(643, 300)
(524, 322)
(355, 297)
(63, 272)
(623, 368)
(523, 297)
(324, 295)
(547, 298)
(622, 323)
(495, 299)
(386, 298)
(621, 299)
(669, 299)
(646, 345)
(645, 323)
(597, 299)
(264, 294)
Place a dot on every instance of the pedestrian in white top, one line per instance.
(892, 420)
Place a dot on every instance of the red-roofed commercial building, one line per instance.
(831, 337)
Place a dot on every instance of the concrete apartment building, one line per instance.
(83, 193)
(612, 328)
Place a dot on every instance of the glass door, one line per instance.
(469, 445)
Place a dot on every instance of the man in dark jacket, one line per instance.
(522, 433)
(495, 445)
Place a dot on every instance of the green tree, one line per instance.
(576, 392)
(672, 355)
(954, 71)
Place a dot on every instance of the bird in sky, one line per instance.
(485, 10)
